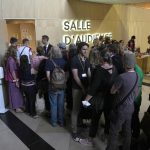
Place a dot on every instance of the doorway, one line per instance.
(22, 29)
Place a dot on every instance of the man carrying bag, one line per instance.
(126, 90)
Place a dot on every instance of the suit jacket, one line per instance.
(46, 51)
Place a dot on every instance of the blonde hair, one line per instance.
(55, 52)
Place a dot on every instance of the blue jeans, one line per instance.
(57, 106)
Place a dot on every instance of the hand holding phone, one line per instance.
(86, 103)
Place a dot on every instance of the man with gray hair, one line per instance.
(126, 89)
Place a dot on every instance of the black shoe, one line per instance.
(76, 137)
(120, 147)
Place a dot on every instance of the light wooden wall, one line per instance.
(122, 20)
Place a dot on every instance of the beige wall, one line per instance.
(122, 21)
(139, 25)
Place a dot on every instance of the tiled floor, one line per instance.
(8, 140)
(59, 138)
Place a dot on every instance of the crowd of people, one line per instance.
(108, 81)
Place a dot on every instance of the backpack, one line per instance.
(58, 80)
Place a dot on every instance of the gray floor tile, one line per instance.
(60, 141)
(77, 146)
(29, 121)
(3, 127)
(8, 141)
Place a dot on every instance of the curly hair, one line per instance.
(55, 52)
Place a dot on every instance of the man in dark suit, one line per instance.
(47, 47)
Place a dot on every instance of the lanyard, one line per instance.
(82, 64)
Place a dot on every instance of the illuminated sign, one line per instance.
(68, 39)
(76, 25)
(80, 25)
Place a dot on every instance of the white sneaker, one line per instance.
(35, 117)
(86, 142)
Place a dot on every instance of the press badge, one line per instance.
(84, 75)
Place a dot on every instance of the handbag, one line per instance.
(145, 123)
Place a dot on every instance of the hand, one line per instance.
(33, 71)
(86, 103)
(17, 84)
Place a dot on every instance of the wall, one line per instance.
(139, 25)
(122, 20)
(49, 15)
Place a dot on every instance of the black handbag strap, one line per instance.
(124, 99)
(22, 51)
(55, 65)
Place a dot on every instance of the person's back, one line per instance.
(59, 61)
(24, 50)
(126, 90)
(26, 76)
(41, 71)
(126, 81)
(56, 87)
(28, 85)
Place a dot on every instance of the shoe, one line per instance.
(35, 116)
(54, 124)
(47, 113)
(120, 147)
(18, 110)
(61, 124)
(86, 142)
(104, 138)
(76, 137)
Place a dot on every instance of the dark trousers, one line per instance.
(46, 100)
(135, 122)
(107, 120)
(119, 122)
(30, 95)
(69, 99)
(94, 122)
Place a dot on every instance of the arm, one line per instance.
(13, 68)
(116, 86)
(16, 80)
(96, 82)
(89, 72)
(48, 69)
(88, 97)
(113, 90)
(30, 55)
(18, 57)
(48, 75)
(76, 78)
(33, 71)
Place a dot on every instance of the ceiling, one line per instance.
(118, 1)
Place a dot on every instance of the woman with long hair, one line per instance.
(98, 94)
(11, 76)
(28, 86)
